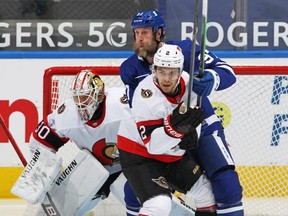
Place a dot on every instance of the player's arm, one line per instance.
(46, 134)
(150, 127)
(176, 129)
(127, 75)
(218, 75)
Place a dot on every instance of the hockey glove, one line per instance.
(179, 124)
(205, 85)
(189, 141)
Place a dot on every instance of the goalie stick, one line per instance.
(49, 209)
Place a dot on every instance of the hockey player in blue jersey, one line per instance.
(212, 152)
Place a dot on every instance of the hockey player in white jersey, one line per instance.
(90, 118)
(156, 161)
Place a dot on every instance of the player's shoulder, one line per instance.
(116, 95)
(117, 102)
(146, 91)
(67, 108)
(66, 116)
(148, 100)
(147, 82)
(129, 61)
(129, 66)
(181, 43)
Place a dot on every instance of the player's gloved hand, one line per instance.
(181, 123)
(205, 85)
(189, 141)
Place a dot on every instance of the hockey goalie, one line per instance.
(90, 119)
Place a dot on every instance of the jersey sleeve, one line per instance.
(212, 62)
(224, 70)
(127, 74)
(47, 135)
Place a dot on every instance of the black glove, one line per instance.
(186, 122)
(179, 124)
(189, 141)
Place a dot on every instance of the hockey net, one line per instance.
(254, 115)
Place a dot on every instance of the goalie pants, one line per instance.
(149, 177)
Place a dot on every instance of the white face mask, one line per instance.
(87, 105)
(88, 93)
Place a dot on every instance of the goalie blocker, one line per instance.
(73, 190)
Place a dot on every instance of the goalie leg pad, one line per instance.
(77, 185)
(73, 192)
(38, 176)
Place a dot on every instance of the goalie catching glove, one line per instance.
(180, 124)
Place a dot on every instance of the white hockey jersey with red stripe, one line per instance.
(98, 136)
(150, 107)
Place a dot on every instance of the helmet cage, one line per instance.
(88, 93)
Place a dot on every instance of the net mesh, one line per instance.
(253, 114)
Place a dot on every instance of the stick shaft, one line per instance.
(12, 141)
(193, 51)
(203, 44)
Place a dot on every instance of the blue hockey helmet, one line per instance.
(150, 18)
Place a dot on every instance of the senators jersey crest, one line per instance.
(106, 153)
(124, 99)
(146, 93)
(61, 108)
(162, 182)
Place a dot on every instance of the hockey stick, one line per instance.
(203, 45)
(13, 142)
(193, 51)
(50, 208)
(183, 204)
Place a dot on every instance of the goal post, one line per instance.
(254, 114)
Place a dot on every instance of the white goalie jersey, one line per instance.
(98, 136)
(72, 190)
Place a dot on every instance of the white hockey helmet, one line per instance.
(87, 92)
(169, 56)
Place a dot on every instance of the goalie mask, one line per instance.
(88, 93)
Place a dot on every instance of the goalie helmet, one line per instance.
(151, 18)
(88, 93)
(169, 56)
